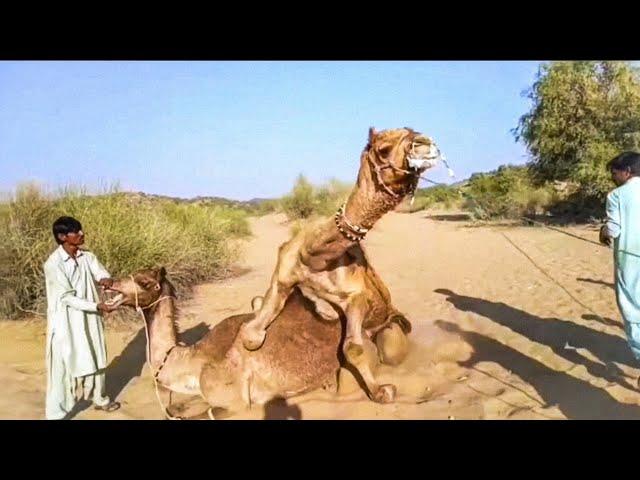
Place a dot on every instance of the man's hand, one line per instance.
(605, 239)
(106, 308)
(106, 282)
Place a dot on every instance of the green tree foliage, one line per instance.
(583, 114)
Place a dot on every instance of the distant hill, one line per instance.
(200, 200)
(461, 183)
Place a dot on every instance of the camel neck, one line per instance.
(367, 204)
(162, 329)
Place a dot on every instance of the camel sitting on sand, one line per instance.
(327, 264)
(301, 354)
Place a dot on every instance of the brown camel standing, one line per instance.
(326, 262)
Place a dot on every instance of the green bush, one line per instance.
(194, 242)
(442, 196)
(507, 193)
(582, 114)
(264, 207)
(307, 200)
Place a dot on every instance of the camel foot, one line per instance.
(210, 413)
(385, 394)
(253, 339)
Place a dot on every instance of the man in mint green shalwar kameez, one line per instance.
(623, 227)
(76, 352)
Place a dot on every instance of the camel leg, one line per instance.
(220, 387)
(322, 307)
(253, 333)
(355, 354)
(392, 344)
(332, 384)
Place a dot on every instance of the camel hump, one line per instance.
(256, 303)
(221, 337)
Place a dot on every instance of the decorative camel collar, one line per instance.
(357, 233)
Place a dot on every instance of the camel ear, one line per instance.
(372, 134)
(160, 273)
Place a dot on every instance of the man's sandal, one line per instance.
(109, 407)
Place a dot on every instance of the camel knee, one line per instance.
(362, 355)
(353, 351)
(392, 344)
(253, 335)
(402, 322)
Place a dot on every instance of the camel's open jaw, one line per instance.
(139, 290)
(423, 155)
(399, 157)
(114, 299)
(117, 298)
(412, 145)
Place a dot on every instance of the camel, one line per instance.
(301, 354)
(327, 264)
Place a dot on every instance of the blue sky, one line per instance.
(246, 129)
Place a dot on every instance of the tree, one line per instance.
(583, 114)
(300, 203)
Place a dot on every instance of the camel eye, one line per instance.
(384, 150)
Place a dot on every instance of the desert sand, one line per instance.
(494, 336)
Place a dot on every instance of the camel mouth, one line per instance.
(424, 154)
(116, 300)
(114, 297)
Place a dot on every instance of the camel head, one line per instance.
(142, 289)
(398, 157)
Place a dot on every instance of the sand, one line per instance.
(494, 336)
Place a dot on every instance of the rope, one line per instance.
(544, 225)
(577, 236)
(140, 310)
(545, 273)
(527, 219)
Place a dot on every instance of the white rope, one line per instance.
(140, 310)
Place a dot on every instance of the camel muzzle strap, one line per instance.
(412, 157)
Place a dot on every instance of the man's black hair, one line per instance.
(626, 160)
(65, 225)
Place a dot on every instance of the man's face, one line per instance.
(620, 177)
(73, 238)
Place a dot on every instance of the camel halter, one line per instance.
(140, 310)
(386, 164)
(413, 173)
(358, 233)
